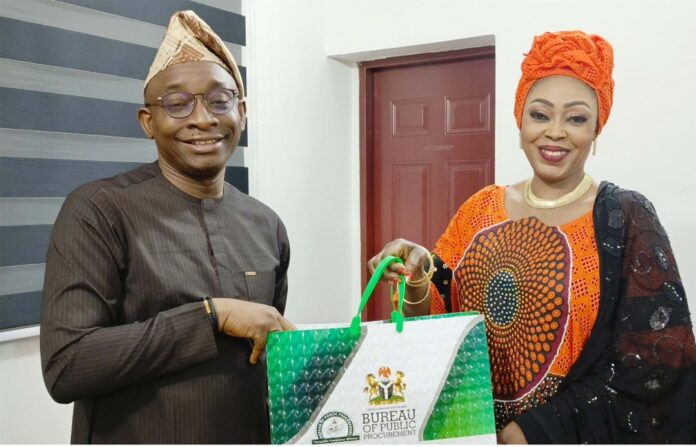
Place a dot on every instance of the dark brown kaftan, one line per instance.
(123, 331)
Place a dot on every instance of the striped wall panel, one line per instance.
(71, 80)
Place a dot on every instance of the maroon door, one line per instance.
(431, 147)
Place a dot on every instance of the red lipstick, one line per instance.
(553, 154)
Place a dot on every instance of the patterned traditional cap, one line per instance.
(588, 58)
(190, 39)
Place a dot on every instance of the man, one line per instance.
(127, 330)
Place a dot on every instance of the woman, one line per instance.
(589, 333)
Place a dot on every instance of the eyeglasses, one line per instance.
(218, 101)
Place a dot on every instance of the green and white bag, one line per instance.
(400, 381)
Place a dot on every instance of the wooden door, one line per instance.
(429, 146)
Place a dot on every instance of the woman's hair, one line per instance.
(588, 58)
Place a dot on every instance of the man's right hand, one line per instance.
(246, 319)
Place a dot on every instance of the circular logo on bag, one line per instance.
(334, 427)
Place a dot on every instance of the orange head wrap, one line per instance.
(571, 53)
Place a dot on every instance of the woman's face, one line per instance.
(559, 122)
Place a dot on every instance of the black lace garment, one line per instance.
(635, 380)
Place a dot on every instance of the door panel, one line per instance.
(410, 216)
(466, 115)
(464, 178)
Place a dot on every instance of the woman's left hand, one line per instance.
(511, 434)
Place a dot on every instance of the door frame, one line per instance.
(366, 74)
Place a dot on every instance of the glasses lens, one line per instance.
(178, 105)
(220, 100)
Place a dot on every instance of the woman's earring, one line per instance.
(594, 147)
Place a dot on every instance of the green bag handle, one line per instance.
(397, 316)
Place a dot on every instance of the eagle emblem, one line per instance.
(384, 388)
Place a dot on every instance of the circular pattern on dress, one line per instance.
(501, 300)
(517, 274)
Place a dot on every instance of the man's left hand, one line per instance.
(511, 434)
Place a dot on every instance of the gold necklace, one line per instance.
(535, 202)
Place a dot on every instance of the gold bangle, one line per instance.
(419, 282)
(427, 292)
(427, 276)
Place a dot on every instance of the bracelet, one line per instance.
(427, 292)
(428, 275)
(210, 310)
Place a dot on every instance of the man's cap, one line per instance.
(190, 39)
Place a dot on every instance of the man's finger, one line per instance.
(255, 354)
(286, 325)
(259, 347)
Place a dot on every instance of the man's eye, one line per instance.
(175, 102)
(537, 115)
(218, 97)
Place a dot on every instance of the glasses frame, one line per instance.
(160, 99)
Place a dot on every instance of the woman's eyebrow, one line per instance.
(566, 105)
(576, 103)
(543, 101)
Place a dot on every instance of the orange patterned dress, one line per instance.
(536, 285)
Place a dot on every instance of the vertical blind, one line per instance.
(71, 82)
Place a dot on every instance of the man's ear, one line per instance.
(241, 109)
(145, 120)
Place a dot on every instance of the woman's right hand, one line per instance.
(413, 255)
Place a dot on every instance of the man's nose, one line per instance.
(200, 116)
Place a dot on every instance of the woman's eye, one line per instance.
(577, 119)
(537, 115)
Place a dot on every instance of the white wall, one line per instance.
(27, 412)
(304, 161)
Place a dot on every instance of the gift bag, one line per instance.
(403, 380)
